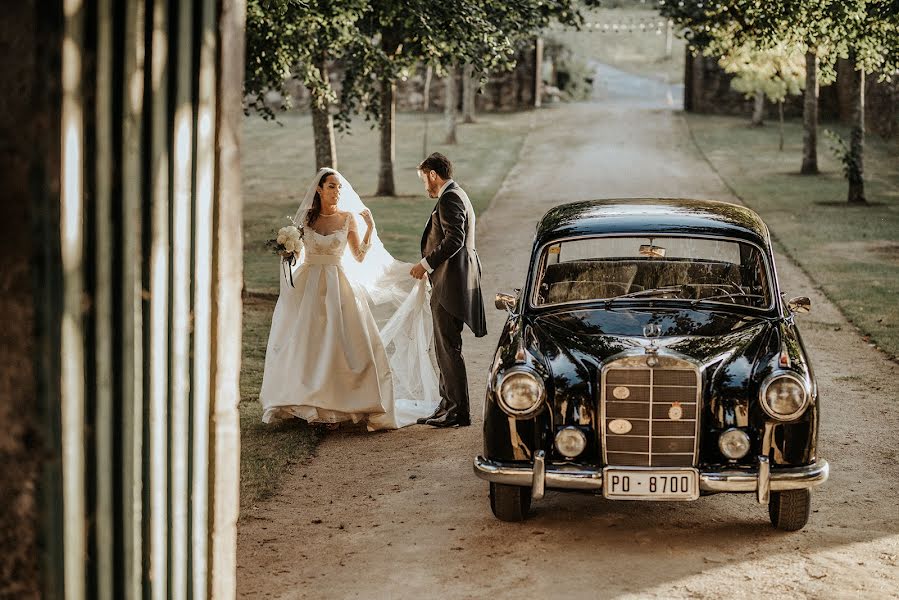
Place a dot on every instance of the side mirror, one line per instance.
(505, 301)
(799, 304)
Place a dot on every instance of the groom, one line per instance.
(452, 263)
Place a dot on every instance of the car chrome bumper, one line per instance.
(540, 476)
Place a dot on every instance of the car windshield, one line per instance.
(616, 269)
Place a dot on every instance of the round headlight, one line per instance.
(520, 393)
(733, 443)
(784, 397)
(570, 441)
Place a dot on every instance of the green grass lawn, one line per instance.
(277, 165)
(266, 450)
(852, 252)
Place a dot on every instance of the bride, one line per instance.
(326, 360)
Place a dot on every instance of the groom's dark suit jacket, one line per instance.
(448, 246)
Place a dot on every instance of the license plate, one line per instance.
(650, 484)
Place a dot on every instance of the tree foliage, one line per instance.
(831, 28)
(777, 72)
(381, 39)
(864, 31)
(485, 35)
(291, 38)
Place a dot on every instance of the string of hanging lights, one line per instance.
(655, 24)
(640, 25)
(651, 24)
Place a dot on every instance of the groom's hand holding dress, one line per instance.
(451, 261)
(418, 271)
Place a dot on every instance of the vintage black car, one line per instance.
(651, 356)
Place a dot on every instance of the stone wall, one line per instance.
(707, 90)
(881, 101)
(502, 92)
(882, 107)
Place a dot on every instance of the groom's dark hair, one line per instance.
(439, 164)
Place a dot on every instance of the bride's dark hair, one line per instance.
(316, 209)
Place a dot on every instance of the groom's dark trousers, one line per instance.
(448, 348)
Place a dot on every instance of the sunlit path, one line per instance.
(614, 86)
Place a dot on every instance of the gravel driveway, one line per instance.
(400, 514)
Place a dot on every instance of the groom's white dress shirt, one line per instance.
(424, 262)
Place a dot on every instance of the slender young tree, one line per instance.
(873, 40)
(451, 100)
(322, 121)
(289, 38)
(865, 31)
(765, 73)
(469, 88)
(810, 115)
(390, 43)
(856, 171)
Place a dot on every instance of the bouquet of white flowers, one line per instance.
(287, 245)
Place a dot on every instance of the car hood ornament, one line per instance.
(652, 331)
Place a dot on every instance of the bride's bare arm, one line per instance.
(360, 248)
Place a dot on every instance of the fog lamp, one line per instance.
(784, 396)
(733, 443)
(570, 441)
(520, 393)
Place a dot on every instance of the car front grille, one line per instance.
(649, 413)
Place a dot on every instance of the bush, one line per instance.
(570, 74)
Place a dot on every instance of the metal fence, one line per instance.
(149, 327)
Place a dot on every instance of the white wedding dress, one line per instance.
(326, 359)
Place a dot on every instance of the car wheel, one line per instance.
(510, 502)
(790, 510)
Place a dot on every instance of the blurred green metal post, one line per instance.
(140, 318)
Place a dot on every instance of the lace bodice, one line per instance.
(333, 243)
(332, 234)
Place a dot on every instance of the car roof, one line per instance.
(677, 216)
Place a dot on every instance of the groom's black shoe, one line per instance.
(439, 413)
(449, 420)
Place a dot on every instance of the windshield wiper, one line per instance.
(721, 296)
(650, 292)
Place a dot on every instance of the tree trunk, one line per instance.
(323, 127)
(425, 107)
(780, 114)
(387, 124)
(450, 110)
(538, 72)
(468, 94)
(810, 116)
(758, 109)
(856, 170)
(323, 133)
(689, 82)
(669, 38)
